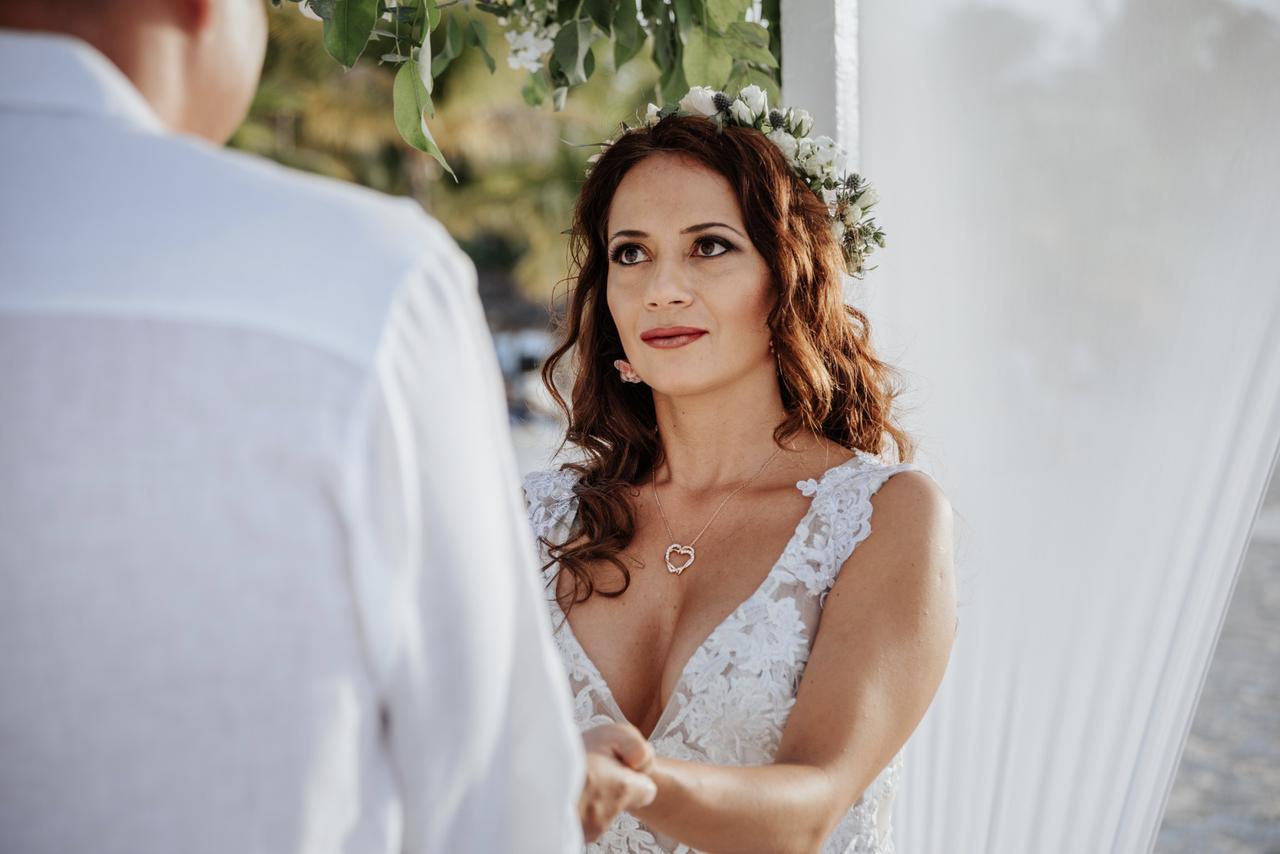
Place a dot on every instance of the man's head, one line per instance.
(196, 61)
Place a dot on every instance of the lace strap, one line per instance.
(549, 499)
(843, 502)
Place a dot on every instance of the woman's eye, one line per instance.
(627, 254)
(710, 247)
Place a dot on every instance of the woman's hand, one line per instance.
(618, 761)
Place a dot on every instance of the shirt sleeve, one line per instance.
(477, 706)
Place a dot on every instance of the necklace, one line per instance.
(688, 551)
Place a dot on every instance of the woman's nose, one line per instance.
(668, 285)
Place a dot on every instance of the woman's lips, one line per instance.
(672, 337)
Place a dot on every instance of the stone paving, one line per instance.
(1226, 796)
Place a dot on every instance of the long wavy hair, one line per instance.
(829, 378)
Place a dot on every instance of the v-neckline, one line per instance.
(593, 672)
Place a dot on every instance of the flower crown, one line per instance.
(818, 161)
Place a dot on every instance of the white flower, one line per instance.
(820, 157)
(530, 43)
(829, 196)
(756, 99)
(593, 158)
(867, 198)
(700, 101)
(651, 115)
(741, 113)
(838, 227)
(786, 142)
(801, 122)
(852, 216)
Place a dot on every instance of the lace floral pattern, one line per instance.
(737, 690)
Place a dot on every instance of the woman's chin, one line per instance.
(677, 386)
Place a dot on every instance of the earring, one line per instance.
(627, 372)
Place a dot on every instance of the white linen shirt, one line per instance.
(266, 584)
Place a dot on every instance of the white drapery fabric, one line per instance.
(1082, 284)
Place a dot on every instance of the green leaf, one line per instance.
(722, 13)
(478, 37)
(672, 86)
(705, 61)
(572, 45)
(602, 11)
(347, 32)
(686, 17)
(410, 100)
(740, 48)
(558, 97)
(451, 48)
(567, 10)
(627, 36)
(536, 88)
(433, 14)
(423, 64)
(667, 52)
(749, 32)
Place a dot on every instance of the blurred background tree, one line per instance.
(518, 168)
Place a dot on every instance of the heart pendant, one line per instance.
(681, 550)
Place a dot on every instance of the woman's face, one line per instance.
(688, 291)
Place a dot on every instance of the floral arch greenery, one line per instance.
(725, 44)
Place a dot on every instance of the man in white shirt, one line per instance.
(266, 583)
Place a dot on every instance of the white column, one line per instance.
(820, 66)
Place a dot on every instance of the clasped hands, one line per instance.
(619, 759)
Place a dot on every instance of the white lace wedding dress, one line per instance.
(737, 690)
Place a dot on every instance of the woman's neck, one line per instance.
(718, 438)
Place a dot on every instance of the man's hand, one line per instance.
(617, 758)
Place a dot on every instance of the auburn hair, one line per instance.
(829, 377)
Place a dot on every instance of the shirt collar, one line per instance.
(56, 73)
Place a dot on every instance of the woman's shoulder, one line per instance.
(903, 492)
(862, 472)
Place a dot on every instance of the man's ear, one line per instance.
(193, 15)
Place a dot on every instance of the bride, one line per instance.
(734, 566)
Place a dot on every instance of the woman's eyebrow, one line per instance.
(702, 226)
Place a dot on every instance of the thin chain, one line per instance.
(654, 482)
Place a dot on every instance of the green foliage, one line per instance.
(572, 49)
(694, 42)
(516, 179)
(706, 61)
(453, 44)
(478, 38)
(410, 102)
(348, 27)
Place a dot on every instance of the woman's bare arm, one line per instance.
(877, 661)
